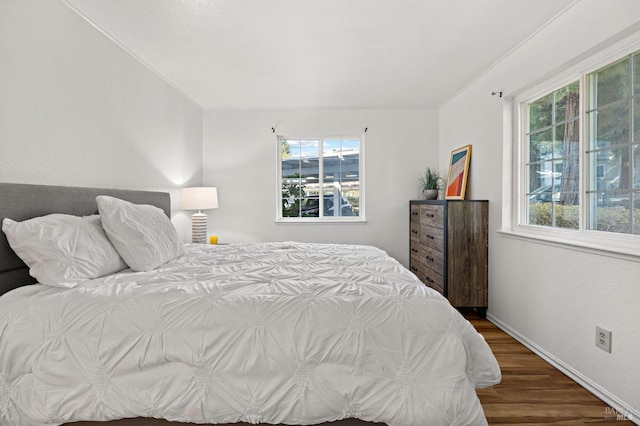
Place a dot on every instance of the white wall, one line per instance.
(552, 297)
(76, 109)
(240, 159)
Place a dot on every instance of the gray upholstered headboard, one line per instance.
(22, 201)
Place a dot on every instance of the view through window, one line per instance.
(554, 158)
(320, 178)
(613, 151)
(606, 195)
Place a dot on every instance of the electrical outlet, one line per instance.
(603, 339)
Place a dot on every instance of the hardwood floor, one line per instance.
(533, 392)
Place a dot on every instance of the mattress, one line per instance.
(286, 333)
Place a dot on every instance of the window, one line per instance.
(553, 161)
(613, 151)
(579, 158)
(320, 179)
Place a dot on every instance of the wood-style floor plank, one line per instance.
(532, 391)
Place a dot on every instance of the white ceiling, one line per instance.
(319, 53)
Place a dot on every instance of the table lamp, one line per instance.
(199, 198)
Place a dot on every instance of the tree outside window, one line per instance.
(606, 197)
(554, 159)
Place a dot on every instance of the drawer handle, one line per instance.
(431, 237)
(430, 258)
(414, 250)
(429, 279)
(414, 232)
(414, 213)
(430, 215)
(413, 268)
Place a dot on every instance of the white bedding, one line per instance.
(274, 333)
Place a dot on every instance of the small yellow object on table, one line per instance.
(213, 239)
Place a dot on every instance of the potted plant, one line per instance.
(430, 184)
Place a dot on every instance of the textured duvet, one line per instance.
(261, 333)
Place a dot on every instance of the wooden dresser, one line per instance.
(449, 249)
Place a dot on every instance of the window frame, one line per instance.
(516, 178)
(321, 219)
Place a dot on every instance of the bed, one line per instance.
(274, 333)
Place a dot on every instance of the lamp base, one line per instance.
(199, 228)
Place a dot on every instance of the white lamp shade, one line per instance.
(199, 198)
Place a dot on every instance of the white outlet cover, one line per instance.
(603, 339)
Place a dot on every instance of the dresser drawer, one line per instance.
(428, 258)
(418, 268)
(432, 237)
(415, 232)
(432, 259)
(434, 280)
(416, 252)
(415, 214)
(432, 215)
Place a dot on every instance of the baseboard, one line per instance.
(622, 410)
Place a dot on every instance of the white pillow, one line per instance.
(142, 234)
(63, 250)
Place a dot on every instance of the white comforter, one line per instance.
(274, 333)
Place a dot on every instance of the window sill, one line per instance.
(310, 221)
(625, 247)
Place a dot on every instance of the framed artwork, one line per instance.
(458, 173)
